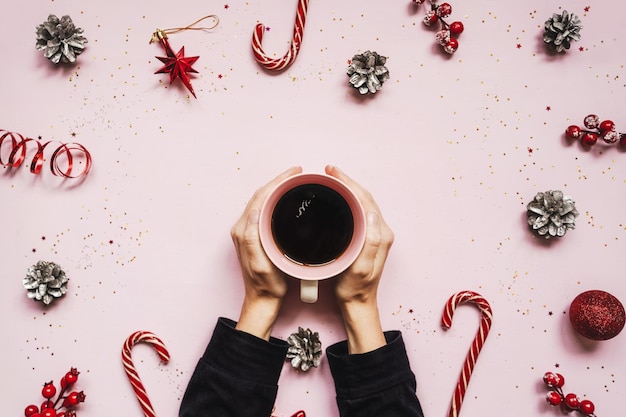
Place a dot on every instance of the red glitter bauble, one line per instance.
(597, 315)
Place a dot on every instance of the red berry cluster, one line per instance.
(596, 129)
(447, 34)
(54, 407)
(568, 402)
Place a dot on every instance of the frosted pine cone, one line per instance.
(368, 72)
(305, 349)
(561, 29)
(60, 40)
(551, 214)
(45, 282)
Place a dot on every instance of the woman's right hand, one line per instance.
(357, 288)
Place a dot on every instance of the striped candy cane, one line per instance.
(278, 64)
(133, 377)
(477, 344)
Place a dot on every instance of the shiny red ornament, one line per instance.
(597, 315)
(176, 64)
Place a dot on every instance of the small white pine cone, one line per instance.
(60, 40)
(552, 214)
(561, 29)
(45, 282)
(367, 72)
(305, 349)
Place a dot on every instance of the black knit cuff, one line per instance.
(359, 375)
(239, 353)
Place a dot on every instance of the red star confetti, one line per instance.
(587, 8)
(548, 108)
(519, 46)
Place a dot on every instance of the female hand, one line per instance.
(357, 288)
(265, 286)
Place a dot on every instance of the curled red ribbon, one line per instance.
(61, 160)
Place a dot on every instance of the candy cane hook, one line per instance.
(133, 376)
(278, 64)
(477, 344)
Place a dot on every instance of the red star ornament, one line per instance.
(176, 64)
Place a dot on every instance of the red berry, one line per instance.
(451, 46)
(553, 380)
(73, 399)
(48, 390)
(549, 378)
(607, 125)
(430, 18)
(444, 10)
(560, 380)
(572, 401)
(61, 414)
(587, 407)
(589, 138)
(573, 132)
(592, 121)
(49, 412)
(46, 404)
(610, 136)
(456, 28)
(30, 410)
(553, 398)
(69, 378)
(622, 139)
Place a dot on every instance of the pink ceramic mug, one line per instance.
(312, 227)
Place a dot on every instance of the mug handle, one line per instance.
(308, 291)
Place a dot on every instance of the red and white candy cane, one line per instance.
(133, 377)
(472, 355)
(278, 64)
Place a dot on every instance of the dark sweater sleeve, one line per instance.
(237, 376)
(377, 383)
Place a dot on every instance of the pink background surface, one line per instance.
(453, 148)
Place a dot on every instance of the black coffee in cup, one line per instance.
(312, 224)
